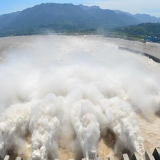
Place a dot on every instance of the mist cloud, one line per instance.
(74, 89)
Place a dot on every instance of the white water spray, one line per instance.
(74, 88)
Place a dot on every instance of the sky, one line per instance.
(151, 7)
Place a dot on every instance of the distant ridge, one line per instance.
(145, 18)
(66, 18)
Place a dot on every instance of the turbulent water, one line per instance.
(71, 91)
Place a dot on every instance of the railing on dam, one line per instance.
(136, 156)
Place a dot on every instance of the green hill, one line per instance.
(61, 18)
(140, 31)
(69, 18)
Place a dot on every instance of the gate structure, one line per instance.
(135, 156)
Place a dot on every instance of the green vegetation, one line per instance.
(138, 32)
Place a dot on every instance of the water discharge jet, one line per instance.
(74, 89)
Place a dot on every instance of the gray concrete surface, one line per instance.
(149, 48)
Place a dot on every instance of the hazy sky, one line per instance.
(151, 7)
